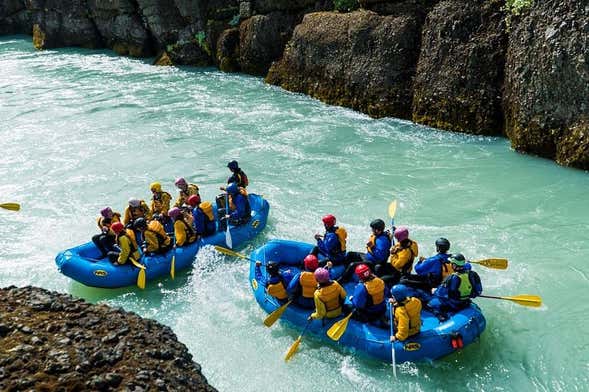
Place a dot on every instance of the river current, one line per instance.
(81, 129)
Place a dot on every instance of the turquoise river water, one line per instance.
(82, 129)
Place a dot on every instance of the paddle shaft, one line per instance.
(393, 343)
(228, 239)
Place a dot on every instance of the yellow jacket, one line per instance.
(133, 213)
(161, 203)
(183, 196)
(183, 233)
(156, 237)
(408, 318)
(126, 242)
(402, 258)
(100, 221)
(328, 301)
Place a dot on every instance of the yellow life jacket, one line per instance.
(446, 270)
(375, 289)
(308, 284)
(372, 241)
(342, 235)
(413, 307)
(131, 234)
(277, 290)
(330, 296)
(207, 208)
(159, 200)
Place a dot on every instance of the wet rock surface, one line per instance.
(53, 342)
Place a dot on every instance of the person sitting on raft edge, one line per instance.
(184, 233)
(401, 260)
(156, 241)
(407, 311)
(105, 240)
(185, 191)
(369, 296)
(329, 296)
(276, 282)
(239, 206)
(237, 175)
(332, 244)
(303, 285)
(128, 248)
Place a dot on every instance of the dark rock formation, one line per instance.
(53, 342)
(460, 69)
(228, 50)
(360, 60)
(547, 81)
(64, 23)
(262, 39)
(121, 28)
(14, 17)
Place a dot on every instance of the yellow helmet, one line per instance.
(155, 187)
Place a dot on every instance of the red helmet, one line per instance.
(117, 227)
(311, 263)
(362, 271)
(329, 220)
(194, 200)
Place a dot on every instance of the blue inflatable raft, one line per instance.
(435, 340)
(81, 263)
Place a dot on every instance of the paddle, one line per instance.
(275, 315)
(393, 343)
(10, 206)
(293, 349)
(336, 331)
(392, 212)
(500, 264)
(533, 301)
(230, 252)
(228, 239)
(141, 275)
(173, 264)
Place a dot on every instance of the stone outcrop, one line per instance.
(53, 342)
(466, 66)
(547, 82)
(361, 60)
(460, 70)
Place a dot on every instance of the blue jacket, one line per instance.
(381, 251)
(360, 300)
(242, 209)
(202, 224)
(432, 266)
(448, 293)
(330, 247)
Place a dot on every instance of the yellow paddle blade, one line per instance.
(10, 206)
(229, 252)
(337, 329)
(141, 279)
(393, 208)
(526, 300)
(275, 315)
(533, 301)
(173, 267)
(293, 349)
(492, 263)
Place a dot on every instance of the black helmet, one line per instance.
(442, 245)
(272, 268)
(233, 165)
(377, 224)
(140, 223)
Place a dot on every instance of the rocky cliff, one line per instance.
(53, 342)
(468, 66)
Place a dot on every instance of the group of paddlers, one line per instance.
(440, 283)
(157, 228)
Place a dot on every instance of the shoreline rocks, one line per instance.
(54, 342)
(469, 67)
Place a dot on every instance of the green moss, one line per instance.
(516, 7)
(201, 40)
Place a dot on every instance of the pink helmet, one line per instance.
(321, 275)
(401, 233)
(181, 182)
(174, 212)
(106, 212)
(329, 220)
(193, 200)
(311, 262)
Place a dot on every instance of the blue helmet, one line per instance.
(399, 292)
(233, 165)
(232, 188)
